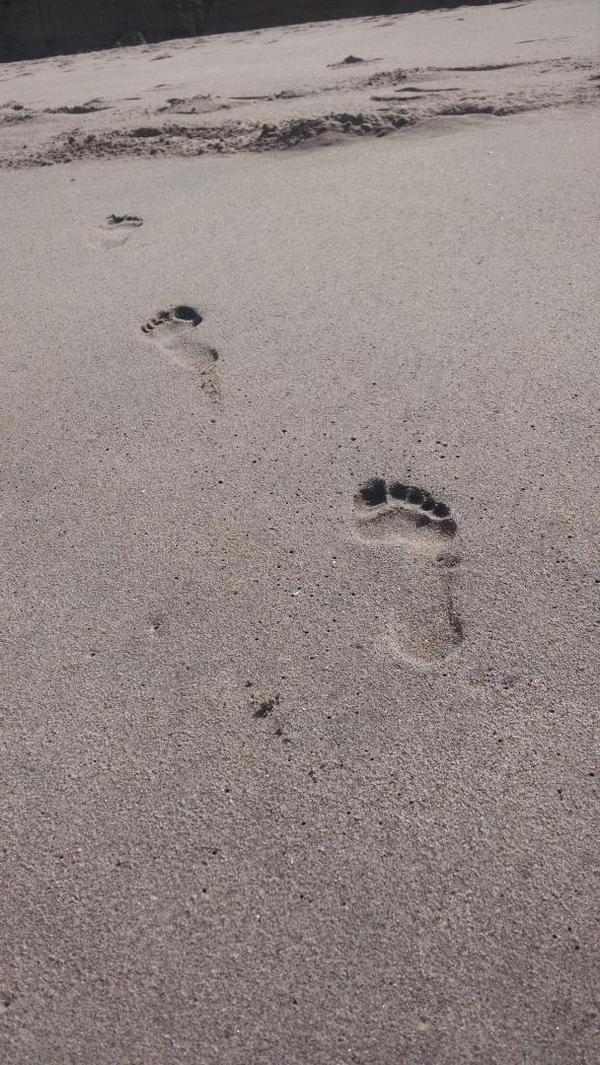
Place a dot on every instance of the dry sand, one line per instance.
(287, 778)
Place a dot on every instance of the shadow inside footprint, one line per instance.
(400, 509)
(428, 627)
(181, 313)
(124, 220)
(186, 314)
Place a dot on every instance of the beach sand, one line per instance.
(288, 777)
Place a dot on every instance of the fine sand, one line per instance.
(295, 774)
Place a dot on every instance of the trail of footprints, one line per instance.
(394, 514)
(173, 330)
(427, 626)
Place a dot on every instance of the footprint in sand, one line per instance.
(174, 331)
(426, 627)
(118, 228)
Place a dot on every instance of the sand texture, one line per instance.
(300, 564)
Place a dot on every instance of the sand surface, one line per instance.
(288, 778)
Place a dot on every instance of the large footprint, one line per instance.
(175, 332)
(428, 627)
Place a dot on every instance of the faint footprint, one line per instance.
(118, 228)
(428, 626)
(175, 332)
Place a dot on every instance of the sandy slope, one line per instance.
(278, 87)
(287, 778)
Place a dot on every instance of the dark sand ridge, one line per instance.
(370, 105)
(255, 809)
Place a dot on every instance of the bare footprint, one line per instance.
(174, 331)
(118, 228)
(427, 627)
